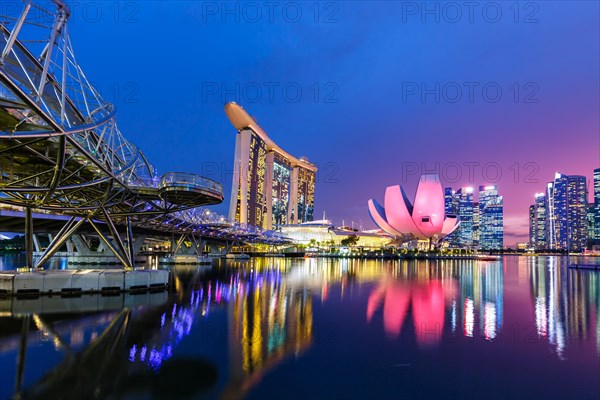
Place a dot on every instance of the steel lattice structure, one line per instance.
(61, 149)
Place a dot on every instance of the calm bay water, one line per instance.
(525, 327)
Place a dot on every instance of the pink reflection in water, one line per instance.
(428, 308)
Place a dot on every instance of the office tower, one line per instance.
(270, 186)
(550, 221)
(595, 232)
(475, 224)
(537, 222)
(566, 213)
(451, 208)
(465, 217)
(491, 219)
(577, 197)
(540, 220)
(532, 227)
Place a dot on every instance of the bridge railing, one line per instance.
(189, 181)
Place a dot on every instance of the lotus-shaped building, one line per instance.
(424, 219)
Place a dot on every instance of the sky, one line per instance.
(374, 93)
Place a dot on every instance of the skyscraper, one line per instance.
(550, 221)
(577, 197)
(565, 213)
(537, 222)
(475, 224)
(465, 217)
(270, 186)
(532, 227)
(451, 208)
(595, 231)
(491, 219)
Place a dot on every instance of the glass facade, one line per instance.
(577, 232)
(481, 223)
(537, 222)
(465, 216)
(491, 219)
(550, 222)
(281, 189)
(451, 208)
(270, 187)
(306, 195)
(595, 228)
(561, 219)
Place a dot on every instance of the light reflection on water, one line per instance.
(252, 327)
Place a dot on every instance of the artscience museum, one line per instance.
(424, 218)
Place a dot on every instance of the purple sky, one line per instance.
(388, 76)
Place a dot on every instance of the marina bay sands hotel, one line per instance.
(270, 186)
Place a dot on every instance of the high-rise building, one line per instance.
(578, 209)
(451, 208)
(491, 219)
(597, 185)
(537, 222)
(481, 222)
(595, 231)
(550, 221)
(475, 224)
(565, 213)
(532, 227)
(270, 186)
(465, 217)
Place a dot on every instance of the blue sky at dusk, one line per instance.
(373, 92)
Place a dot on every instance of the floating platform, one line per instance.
(19, 305)
(69, 282)
(232, 256)
(92, 259)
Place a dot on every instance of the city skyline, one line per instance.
(367, 107)
(164, 167)
(562, 217)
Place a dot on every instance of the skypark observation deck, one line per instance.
(61, 150)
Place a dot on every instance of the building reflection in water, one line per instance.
(566, 302)
(466, 294)
(268, 305)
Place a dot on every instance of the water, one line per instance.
(525, 327)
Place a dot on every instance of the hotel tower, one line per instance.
(270, 186)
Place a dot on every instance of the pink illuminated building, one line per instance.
(424, 218)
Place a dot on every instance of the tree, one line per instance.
(350, 241)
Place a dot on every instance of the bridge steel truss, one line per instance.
(61, 149)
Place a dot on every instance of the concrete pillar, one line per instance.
(215, 249)
(102, 247)
(81, 245)
(28, 237)
(138, 242)
(36, 243)
(130, 245)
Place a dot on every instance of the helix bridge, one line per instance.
(61, 150)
